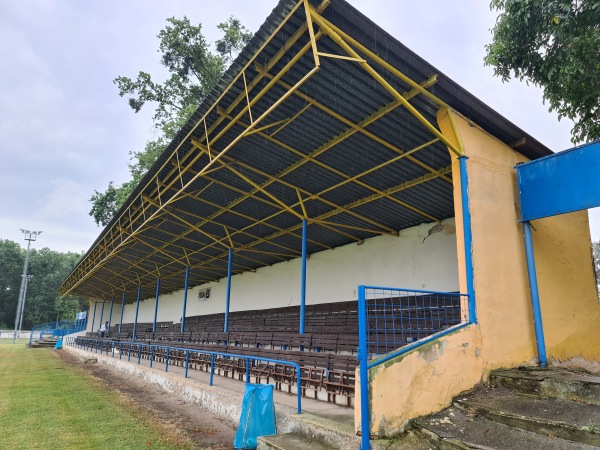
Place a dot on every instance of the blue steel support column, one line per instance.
(229, 268)
(185, 293)
(303, 277)
(102, 313)
(535, 296)
(122, 309)
(94, 318)
(137, 309)
(468, 237)
(112, 302)
(156, 304)
(365, 427)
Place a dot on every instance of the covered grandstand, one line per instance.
(331, 156)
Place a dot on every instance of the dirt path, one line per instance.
(182, 421)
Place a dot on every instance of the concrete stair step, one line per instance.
(454, 429)
(291, 441)
(554, 383)
(565, 419)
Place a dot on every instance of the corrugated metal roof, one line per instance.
(332, 158)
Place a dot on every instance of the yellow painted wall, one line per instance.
(425, 381)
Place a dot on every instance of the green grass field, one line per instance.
(46, 404)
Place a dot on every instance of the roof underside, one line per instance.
(283, 137)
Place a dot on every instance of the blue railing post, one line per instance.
(303, 277)
(185, 295)
(137, 309)
(187, 362)
(228, 298)
(151, 355)
(122, 309)
(112, 302)
(94, 318)
(365, 426)
(535, 296)
(468, 236)
(156, 304)
(212, 368)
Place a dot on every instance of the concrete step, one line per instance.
(565, 419)
(453, 429)
(554, 383)
(291, 441)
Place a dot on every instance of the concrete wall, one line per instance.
(414, 259)
(427, 379)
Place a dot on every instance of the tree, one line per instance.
(48, 268)
(193, 71)
(554, 44)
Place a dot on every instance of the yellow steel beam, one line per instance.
(358, 128)
(325, 26)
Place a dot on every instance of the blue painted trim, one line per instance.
(414, 345)
(94, 318)
(468, 237)
(365, 425)
(228, 298)
(112, 303)
(535, 296)
(156, 304)
(303, 277)
(185, 295)
(137, 310)
(122, 310)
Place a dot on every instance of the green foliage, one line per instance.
(554, 44)
(193, 71)
(42, 303)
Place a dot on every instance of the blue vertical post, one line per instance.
(303, 277)
(112, 302)
(122, 309)
(185, 294)
(102, 313)
(535, 295)
(94, 317)
(365, 427)
(468, 237)
(229, 268)
(156, 304)
(137, 309)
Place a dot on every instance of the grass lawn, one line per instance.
(48, 405)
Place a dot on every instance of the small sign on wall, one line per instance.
(204, 295)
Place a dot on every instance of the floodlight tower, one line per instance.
(29, 236)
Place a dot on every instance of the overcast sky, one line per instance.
(65, 132)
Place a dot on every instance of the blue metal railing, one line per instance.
(58, 328)
(137, 347)
(394, 321)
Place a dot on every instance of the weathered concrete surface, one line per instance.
(456, 430)
(555, 383)
(290, 441)
(550, 416)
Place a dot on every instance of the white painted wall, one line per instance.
(414, 260)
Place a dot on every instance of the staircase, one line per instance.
(525, 408)
(521, 409)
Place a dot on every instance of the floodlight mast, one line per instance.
(29, 236)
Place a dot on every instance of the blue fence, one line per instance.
(58, 328)
(184, 355)
(393, 321)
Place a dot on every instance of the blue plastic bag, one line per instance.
(258, 416)
(58, 345)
